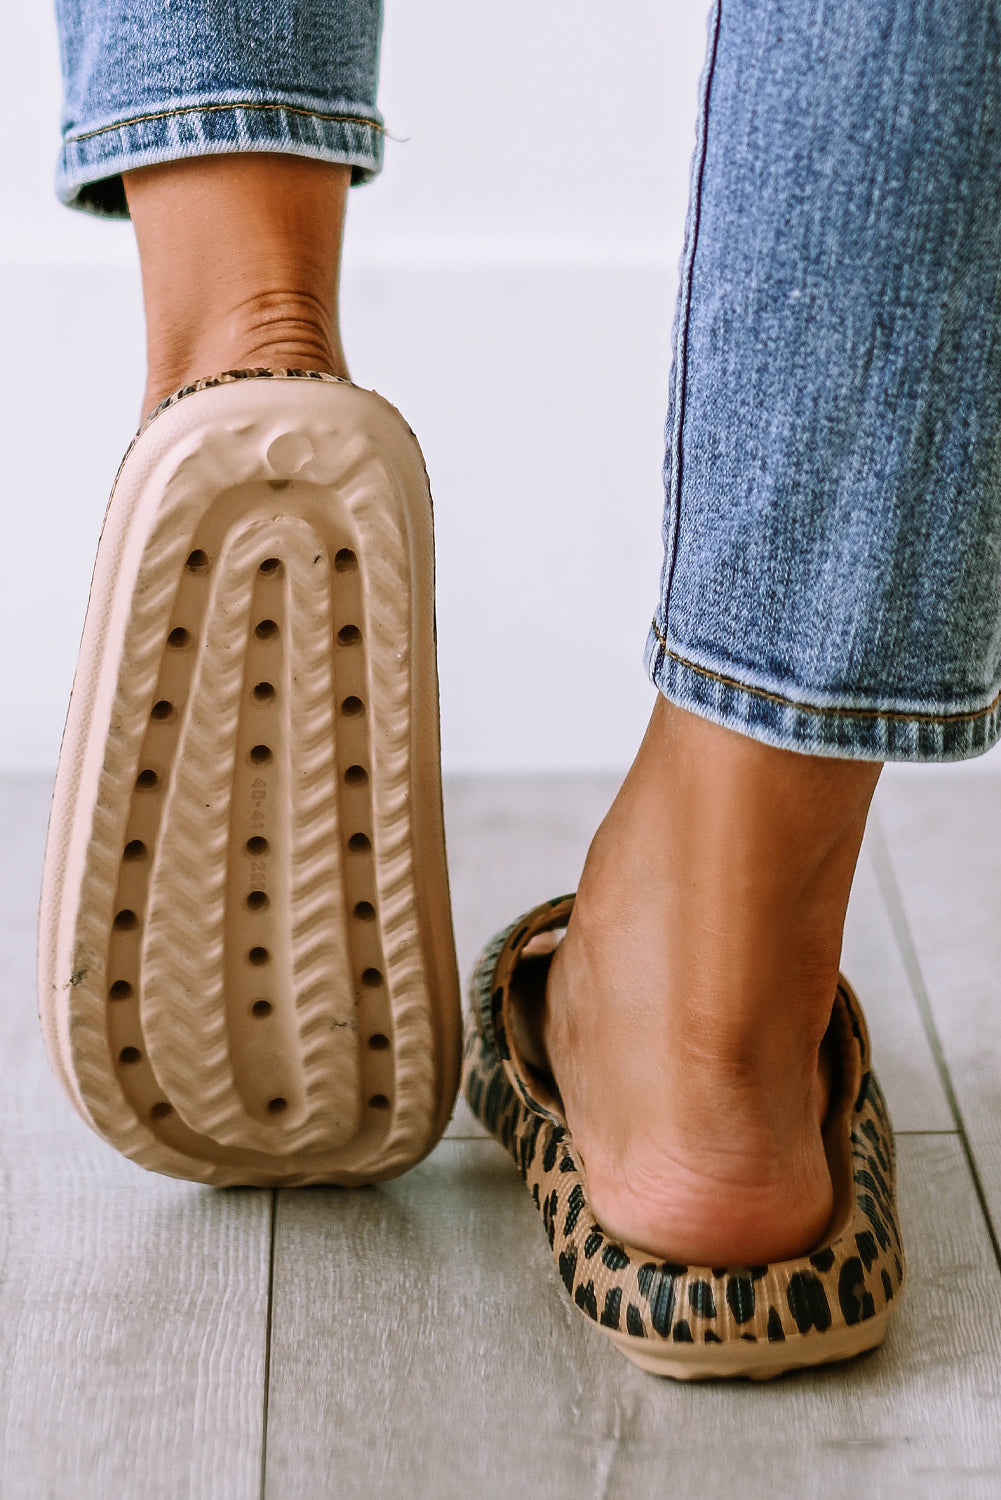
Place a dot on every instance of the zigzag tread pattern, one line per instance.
(384, 548)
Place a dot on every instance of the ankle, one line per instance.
(240, 263)
(266, 329)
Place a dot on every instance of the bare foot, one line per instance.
(686, 1006)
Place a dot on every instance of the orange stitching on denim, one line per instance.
(201, 109)
(811, 708)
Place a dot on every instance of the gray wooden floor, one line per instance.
(158, 1339)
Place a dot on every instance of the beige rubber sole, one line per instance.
(755, 1361)
(246, 962)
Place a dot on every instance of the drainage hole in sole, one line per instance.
(257, 900)
(134, 849)
(349, 635)
(120, 990)
(261, 755)
(264, 692)
(371, 978)
(257, 845)
(198, 561)
(147, 780)
(259, 956)
(179, 636)
(266, 630)
(161, 1111)
(270, 566)
(162, 710)
(365, 911)
(356, 775)
(351, 707)
(261, 1008)
(125, 920)
(378, 1101)
(359, 842)
(345, 560)
(129, 1055)
(277, 1106)
(378, 1043)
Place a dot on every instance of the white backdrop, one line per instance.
(509, 284)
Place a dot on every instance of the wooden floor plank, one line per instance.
(134, 1307)
(872, 961)
(423, 1346)
(944, 847)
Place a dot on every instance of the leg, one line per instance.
(687, 1003)
(829, 602)
(240, 261)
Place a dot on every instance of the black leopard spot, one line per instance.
(673, 1268)
(552, 1150)
(863, 1090)
(535, 1194)
(493, 1099)
(528, 1144)
(575, 1206)
(887, 1286)
(875, 1140)
(474, 1089)
(634, 1321)
(659, 1289)
(876, 1182)
(750, 1338)
(700, 1295)
(898, 1267)
(719, 1272)
(871, 1212)
(740, 1297)
(615, 1257)
(757, 1272)
(568, 1267)
(711, 1338)
(681, 1333)
(868, 1306)
(808, 1301)
(613, 1301)
(866, 1248)
(586, 1300)
(592, 1244)
(567, 1163)
(822, 1259)
(851, 1290)
(776, 1334)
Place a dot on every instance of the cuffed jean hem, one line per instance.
(89, 173)
(849, 731)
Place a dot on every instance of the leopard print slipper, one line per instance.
(686, 1321)
(245, 955)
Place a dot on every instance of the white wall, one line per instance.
(509, 284)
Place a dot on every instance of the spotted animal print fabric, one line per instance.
(853, 1277)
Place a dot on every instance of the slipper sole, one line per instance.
(246, 961)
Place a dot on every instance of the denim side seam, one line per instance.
(89, 173)
(672, 475)
(848, 732)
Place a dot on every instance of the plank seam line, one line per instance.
(887, 881)
(267, 1340)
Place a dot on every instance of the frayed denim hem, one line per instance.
(854, 732)
(89, 172)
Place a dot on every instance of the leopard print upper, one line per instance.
(853, 1277)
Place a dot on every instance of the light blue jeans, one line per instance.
(832, 529)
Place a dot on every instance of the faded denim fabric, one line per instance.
(149, 82)
(832, 573)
